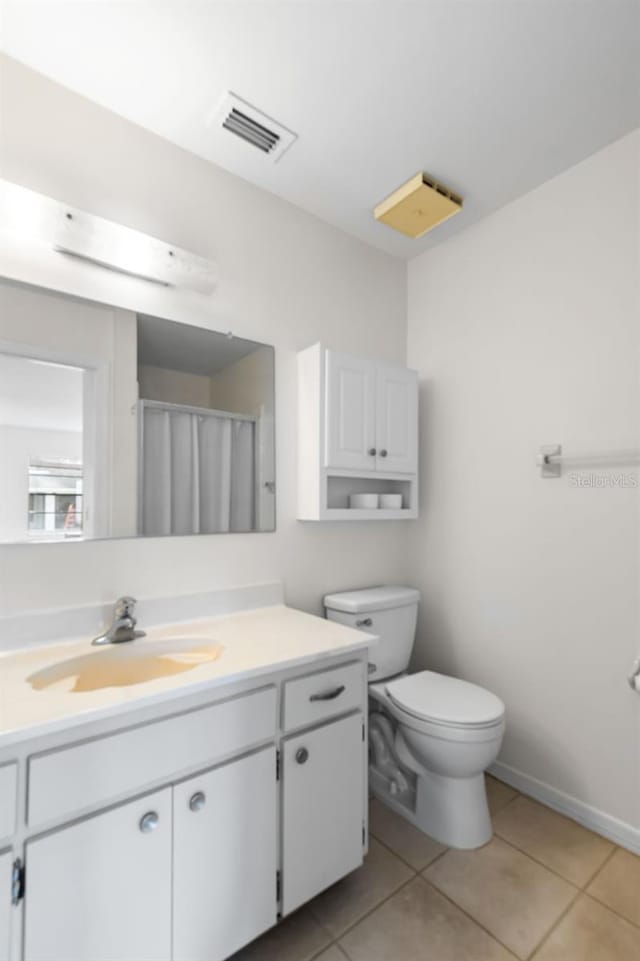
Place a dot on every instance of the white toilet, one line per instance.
(431, 737)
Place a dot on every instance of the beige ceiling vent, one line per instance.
(418, 206)
(244, 121)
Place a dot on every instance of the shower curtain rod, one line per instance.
(202, 411)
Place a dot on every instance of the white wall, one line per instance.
(285, 279)
(525, 332)
(246, 387)
(174, 386)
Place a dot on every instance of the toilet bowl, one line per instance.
(448, 754)
(431, 736)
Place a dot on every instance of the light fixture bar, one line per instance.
(102, 242)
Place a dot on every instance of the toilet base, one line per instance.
(456, 815)
(452, 810)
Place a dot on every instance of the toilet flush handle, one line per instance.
(364, 622)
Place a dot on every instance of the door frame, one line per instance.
(97, 441)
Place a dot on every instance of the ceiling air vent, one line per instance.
(255, 128)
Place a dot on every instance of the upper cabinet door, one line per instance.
(396, 420)
(224, 862)
(350, 434)
(101, 888)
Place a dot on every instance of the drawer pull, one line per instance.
(197, 801)
(364, 622)
(302, 755)
(149, 822)
(330, 695)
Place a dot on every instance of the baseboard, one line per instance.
(609, 827)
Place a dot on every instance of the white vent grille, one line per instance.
(244, 121)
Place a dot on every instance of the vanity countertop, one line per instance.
(253, 643)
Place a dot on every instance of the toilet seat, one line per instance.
(440, 701)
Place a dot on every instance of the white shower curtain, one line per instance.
(198, 472)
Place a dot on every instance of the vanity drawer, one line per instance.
(319, 696)
(73, 779)
(8, 799)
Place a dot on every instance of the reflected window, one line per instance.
(55, 500)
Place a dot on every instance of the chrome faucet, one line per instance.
(123, 627)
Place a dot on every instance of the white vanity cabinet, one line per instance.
(184, 832)
(322, 812)
(101, 888)
(6, 863)
(357, 433)
(225, 858)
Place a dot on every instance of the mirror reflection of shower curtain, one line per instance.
(198, 472)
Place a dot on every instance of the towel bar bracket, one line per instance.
(548, 467)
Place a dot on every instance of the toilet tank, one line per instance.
(389, 612)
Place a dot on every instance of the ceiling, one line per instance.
(492, 97)
(192, 350)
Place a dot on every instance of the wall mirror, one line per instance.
(117, 424)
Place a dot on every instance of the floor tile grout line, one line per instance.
(540, 944)
(608, 907)
(543, 940)
(504, 806)
(595, 874)
(386, 845)
(420, 872)
(475, 921)
(372, 910)
(542, 864)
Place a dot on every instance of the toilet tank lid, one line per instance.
(371, 599)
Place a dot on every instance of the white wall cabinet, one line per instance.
(350, 436)
(357, 433)
(6, 862)
(323, 818)
(101, 888)
(396, 419)
(225, 858)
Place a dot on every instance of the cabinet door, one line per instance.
(225, 858)
(323, 808)
(349, 412)
(100, 890)
(6, 862)
(397, 420)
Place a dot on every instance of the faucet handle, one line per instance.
(125, 606)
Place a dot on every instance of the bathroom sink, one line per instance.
(123, 665)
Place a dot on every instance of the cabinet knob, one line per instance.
(302, 755)
(383, 452)
(149, 822)
(197, 801)
(372, 452)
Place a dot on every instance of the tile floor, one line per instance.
(543, 889)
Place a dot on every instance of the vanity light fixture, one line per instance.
(103, 242)
(418, 206)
